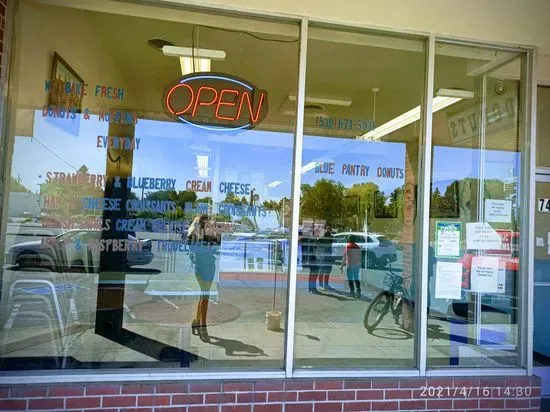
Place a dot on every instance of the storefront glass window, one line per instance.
(474, 256)
(148, 204)
(356, 269)
(147, 221)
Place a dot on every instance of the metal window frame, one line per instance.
(423, 237)
(527, 229)
(296, 185)
(57, 376)
(6, 123)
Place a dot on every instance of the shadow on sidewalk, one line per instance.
(392, 334)
(310, 337)
(236, 347)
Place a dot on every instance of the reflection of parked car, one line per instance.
(379, 250)
(70, 249)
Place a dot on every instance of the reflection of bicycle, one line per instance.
(390, 298)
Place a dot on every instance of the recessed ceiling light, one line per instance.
(323, 100)
(193, 59)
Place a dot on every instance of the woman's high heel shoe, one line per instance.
(203, 334)
(195, 327)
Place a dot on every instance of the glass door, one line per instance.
(474, 269)
(541, 338)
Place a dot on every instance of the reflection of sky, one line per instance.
(170, 150)
(453, 163)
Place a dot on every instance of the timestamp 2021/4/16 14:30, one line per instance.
(475, 391)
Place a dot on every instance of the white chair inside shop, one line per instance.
(41, 282)
(25, 319)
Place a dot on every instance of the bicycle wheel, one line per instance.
(377, 310)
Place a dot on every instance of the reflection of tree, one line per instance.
(446, 205)
(373, 204)
(397, 203)
(232, 198)
(64, 198)
(206, 199)
(323, 200)
(353, 208)
(179, 197)
(17, 186)
(281, 208)
(246, 221)
(460, 198)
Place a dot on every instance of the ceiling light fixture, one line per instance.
(309, 166)
(444, 98)
(202, 165)
(202, 57)
(322, 100)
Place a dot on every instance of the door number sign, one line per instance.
(544, 205)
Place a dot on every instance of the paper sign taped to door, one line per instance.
(481, 236)
(498, 210)
(485, 274)
(448, 280)
(540, 242)
(501, 279)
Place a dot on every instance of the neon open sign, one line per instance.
(215, 101)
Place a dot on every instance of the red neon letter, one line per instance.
(204, 103)
(220, 103)
(253, 118)
(169, 107)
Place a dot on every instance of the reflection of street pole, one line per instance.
(283, 214)
(39, 199)
(252, 210)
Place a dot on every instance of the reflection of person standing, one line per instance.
(201, 253)
(309, 249)
(352, 261)
(326, 258)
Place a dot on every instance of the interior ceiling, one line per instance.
(335, 70)
(335, 67)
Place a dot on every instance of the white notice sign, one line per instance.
(485, 274)
(482, 236)
(498, 210)
(448, 280)
(501, 282)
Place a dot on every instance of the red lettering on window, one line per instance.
(169, 106)
(199, 103)
(254, 118)
(222, 103)
(226, 102)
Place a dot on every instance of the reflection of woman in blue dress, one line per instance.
(201, 252)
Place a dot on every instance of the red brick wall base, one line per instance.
(389, 394)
